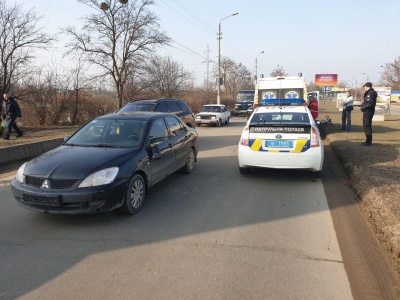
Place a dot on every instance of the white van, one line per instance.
(271, 88)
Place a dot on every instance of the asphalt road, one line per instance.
(213, 234)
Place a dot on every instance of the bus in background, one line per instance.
(244, 99)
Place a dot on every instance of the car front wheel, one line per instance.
(190, 161)
(134, 197)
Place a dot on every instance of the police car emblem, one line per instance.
(278, 136)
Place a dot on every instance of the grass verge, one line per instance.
(374, 172)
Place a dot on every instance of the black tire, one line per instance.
(316, 174)
(134, 196)
(227, 121)
(244, 170)
(190, 162)
(198, 124)
(218, 124)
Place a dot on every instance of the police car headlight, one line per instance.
(213, 117)
(102, 177)
(20, 174)
(197, 117)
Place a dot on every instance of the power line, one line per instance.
(205, 26)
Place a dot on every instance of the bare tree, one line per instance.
(391, 74)
(117, 37)
(235, 76)
(19, 36)
(167, 77)
(279, 71)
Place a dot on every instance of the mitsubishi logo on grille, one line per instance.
(46, 184)
(278, 136)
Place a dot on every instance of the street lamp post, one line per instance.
(256, 75)
(355, 90)
(219, 58)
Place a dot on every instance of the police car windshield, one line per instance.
(279, 118)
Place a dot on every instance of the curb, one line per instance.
(25, 151)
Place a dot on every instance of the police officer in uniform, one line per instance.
(368, 109)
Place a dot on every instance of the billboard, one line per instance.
(383, 100)
(326, 79)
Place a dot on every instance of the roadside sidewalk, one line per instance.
(6, 178)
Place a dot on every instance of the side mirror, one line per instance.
(155, 151)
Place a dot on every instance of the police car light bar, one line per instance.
(283, 102)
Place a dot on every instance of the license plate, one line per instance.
(41, 200)
(279, 144)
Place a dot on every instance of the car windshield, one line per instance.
(110, 133)
(211, 109)
(137, 107)
(245, 96)
(279, 118)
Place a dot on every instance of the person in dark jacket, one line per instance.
(368, 109)
(13, 112)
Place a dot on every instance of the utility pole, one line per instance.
(207, 61)
(256, 74)
(219, 58)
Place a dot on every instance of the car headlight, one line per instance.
(213, 117)
(197, 117)
(20, 174)
(102, 177)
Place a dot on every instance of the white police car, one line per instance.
(281, 137)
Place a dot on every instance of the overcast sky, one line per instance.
(344, 37)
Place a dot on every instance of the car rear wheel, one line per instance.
(134, 197)
(316, 174)
(244, 170)
(227, 121)
(190, 162)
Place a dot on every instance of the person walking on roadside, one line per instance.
(13, 112)
(368, 110)
(313, 107)
(347, 105)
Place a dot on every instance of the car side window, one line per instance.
(183, 106)
(175, 126)
(173, 108)
(162, 107)
(158, 132)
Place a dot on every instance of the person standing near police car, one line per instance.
(12, 112)
(368, 110)
(347, 105)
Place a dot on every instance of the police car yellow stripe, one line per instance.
(257, 145)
